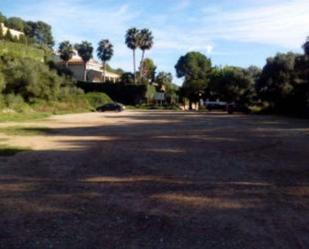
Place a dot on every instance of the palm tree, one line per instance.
(66, 52)
(84, 50)
(105, 52)
(132, 41)
(306, 46)
(145, 43)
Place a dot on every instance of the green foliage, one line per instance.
(66, 51)
(284, 83)
(16, 103)
(97, 99)
(150, 94)
(2, 82)
(15, 23)
(132, 42)
(145, 43)
(84, 50)
(32, 86)
(132, 38)
(231, 84)
(193, 66)
(196, 70)
(16, 50)
(164, 81)
(145, 40)
(2, 18)
(306, 46)
(149, 71)
(120, 92)
(105, 50)
(40, 32)
(127, 78)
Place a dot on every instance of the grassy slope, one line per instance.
(21, 50)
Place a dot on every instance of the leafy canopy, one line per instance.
(105, 50)
(84, 50)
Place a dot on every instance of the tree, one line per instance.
(15, 23)
(278, 82)
(66, 52)
(127, 78)
(232, 84)
(105, 52)
(149, 71)
(145, 43)
(2, 18)
(306, 46)
(132, 41)
(41, 33)
(196, 69)
(85, 51)
(164, 81)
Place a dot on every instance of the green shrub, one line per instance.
(19, 50)
(97, 99)
(16, 102)
(2, 81)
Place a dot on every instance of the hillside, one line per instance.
(21, 50)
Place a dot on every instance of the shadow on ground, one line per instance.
(162, 180)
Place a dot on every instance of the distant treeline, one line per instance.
(35, 32)
(281, 86)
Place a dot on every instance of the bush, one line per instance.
(125, 94)
(34, 80)
(18, 50)
(98, 99)
(16, 102)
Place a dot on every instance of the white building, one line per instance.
(94, 69)
(14, 32)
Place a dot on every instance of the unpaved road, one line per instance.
(151, 180)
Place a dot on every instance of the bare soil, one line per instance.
(157, 180)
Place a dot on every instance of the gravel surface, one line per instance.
(155, 179)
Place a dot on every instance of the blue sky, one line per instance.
(230, 32)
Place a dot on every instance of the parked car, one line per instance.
(116, 107)
(215, 105)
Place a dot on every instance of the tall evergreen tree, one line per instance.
(145, 43)
(105, 52)
(85, 51)
(132, 41)
(66, 52)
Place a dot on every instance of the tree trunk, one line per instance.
(104, 71)
(142, 65)
(85, 71)
(67, 64)
(134, 66)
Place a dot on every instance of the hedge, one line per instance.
(119, 92)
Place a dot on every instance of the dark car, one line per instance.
(116, 107)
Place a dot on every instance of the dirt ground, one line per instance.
(154, 180)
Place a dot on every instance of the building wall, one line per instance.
(78, 71)
(13, 32)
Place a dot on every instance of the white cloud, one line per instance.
(284, 24)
